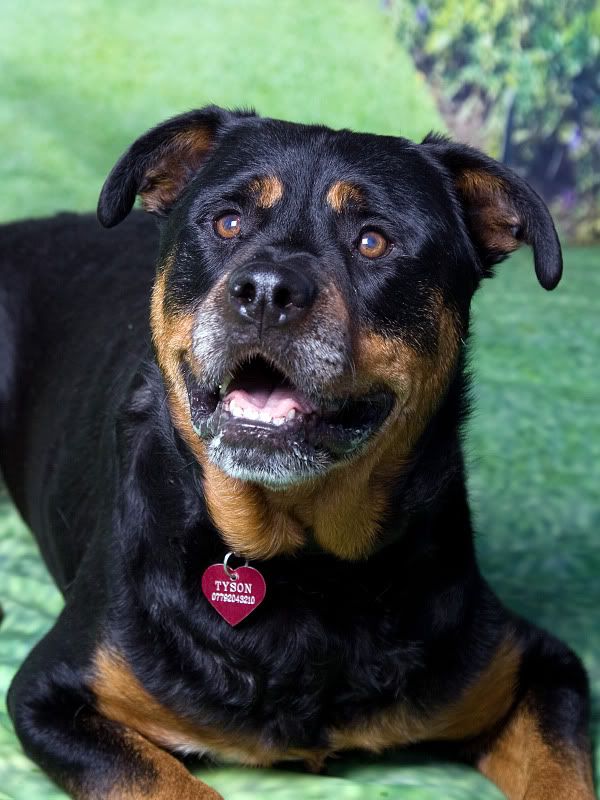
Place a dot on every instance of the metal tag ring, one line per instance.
(229, 572)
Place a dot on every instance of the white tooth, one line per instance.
(291, 414)
(236, 411)
(252, 413)
(278, 421)
(264, 416)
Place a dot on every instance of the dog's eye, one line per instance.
(372, 244)
(228, 225)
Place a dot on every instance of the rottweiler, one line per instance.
(255, 505)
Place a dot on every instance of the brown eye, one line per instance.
(228, 225)
(372, 244)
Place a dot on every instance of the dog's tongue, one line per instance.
(259, 388)
(276, 402)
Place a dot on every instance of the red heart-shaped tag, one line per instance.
(233, 598)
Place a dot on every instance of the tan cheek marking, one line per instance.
(481, 706)
(419, 378)
(341, 193)
(268, 191)
(522, 765)
(346, 507)
(172, 339)
(121, 698)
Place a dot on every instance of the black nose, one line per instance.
(270, 294)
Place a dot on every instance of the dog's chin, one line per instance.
(276, 468)
(262, 428)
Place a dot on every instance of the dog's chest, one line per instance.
(296, 714)
(300, 694)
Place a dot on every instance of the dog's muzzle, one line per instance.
(269, 356)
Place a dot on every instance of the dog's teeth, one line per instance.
(236, 411)
(252, 413)
(264, 416)
(278, 421)
(291, 414)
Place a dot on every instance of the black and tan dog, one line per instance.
(302, 410)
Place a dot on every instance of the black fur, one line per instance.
(114, 496)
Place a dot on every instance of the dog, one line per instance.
(255, 505)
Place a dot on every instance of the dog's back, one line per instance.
(65, 286)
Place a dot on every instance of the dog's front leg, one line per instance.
(542, 751)
(93, 758)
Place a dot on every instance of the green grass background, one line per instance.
(79, 80)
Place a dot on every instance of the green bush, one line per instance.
(520, 78)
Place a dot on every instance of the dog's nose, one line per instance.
(270, 295)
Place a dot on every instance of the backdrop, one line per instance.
(80, 80)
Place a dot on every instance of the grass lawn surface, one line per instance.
(81, 80)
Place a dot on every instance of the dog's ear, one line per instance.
(161, 163)
(501, 210)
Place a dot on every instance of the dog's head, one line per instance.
(314, 285)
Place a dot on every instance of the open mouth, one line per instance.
(259, 413)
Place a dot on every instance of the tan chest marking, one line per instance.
(480, 706)
(121, 697)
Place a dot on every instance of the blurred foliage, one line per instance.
(520, 78)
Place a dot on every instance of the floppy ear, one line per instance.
(501, 210)
(161, 163)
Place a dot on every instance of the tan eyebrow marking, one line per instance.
(341, 193)
(268, 190)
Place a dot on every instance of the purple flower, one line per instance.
(422, 14)
(575, 139)
(568, 199)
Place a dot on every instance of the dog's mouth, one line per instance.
(260, 417)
